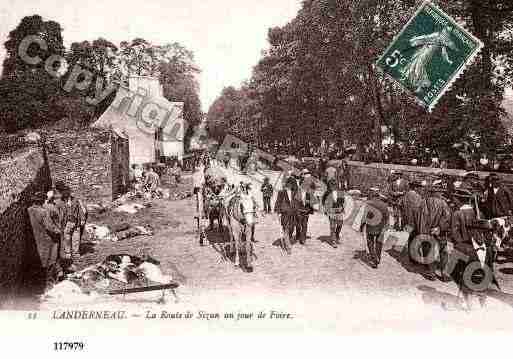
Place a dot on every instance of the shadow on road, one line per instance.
(325, 239)
(362, 257)
(506, 298)
(404, 260)
(432, 296)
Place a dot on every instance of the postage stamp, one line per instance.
(429, 54)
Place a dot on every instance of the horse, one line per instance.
(241, 230)
(214, 205)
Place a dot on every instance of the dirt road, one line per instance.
(321, 286)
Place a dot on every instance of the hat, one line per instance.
(61, 186)
(471, 176)
(38, 197)
(305, 171)
(415, 184)
(494, 177)
(332, 182)
(396, 172)
(436, 188)
(291, 181)
(462, 193)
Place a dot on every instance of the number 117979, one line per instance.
(68, 346)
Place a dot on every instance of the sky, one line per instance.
(226, 36)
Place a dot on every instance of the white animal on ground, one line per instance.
(130, 208)
(154, 273)
(64, 289)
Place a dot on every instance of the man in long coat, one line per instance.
(333, 204)
(397, 188)
(433, 227)
(499, 199)
(374, 222)
(305, 199)
(47, 235)
(473, 270)
(287, 207)
(409, 205)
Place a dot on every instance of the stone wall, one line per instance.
(82, 159)
(24, 174)
(364, 176)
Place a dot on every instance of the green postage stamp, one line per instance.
(429, 54)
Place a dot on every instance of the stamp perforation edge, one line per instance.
(457, 73)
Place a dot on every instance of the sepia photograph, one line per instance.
(332, 167)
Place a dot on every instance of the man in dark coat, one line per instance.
(267, 193)
(397, 188)
(499, 199)
(473, 270)
(47, 235)
(374, 222)
(410, 206)
(333, 204)
(287, 207)
(433, 227)
(305, 200)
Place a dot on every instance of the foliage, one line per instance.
(317, 81)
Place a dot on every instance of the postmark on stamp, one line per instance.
(429, 54)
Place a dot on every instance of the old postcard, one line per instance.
(279, 169)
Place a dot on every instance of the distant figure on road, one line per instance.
(397, 188)
(267, 193)
(333, 205)
(198, 181)
(151, 181)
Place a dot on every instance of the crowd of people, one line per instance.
(441, 210)
(58, 221)
(433, 212)
(145, 180)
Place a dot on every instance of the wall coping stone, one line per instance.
(427, 170)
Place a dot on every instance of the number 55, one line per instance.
(393, 60)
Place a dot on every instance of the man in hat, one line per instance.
(47, 235)
(305, 197)
(472, 182)
(433, 227)
(398, 186)
(333, 204)
(74, 218)
(499, 199)
(473, 270)
(331, 173)
(151, 181)
(342, 175)
(374, 222)
(249, 210)
(410, 205)
(267, 193)
(287, 207)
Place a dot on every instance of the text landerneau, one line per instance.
(89, 314)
